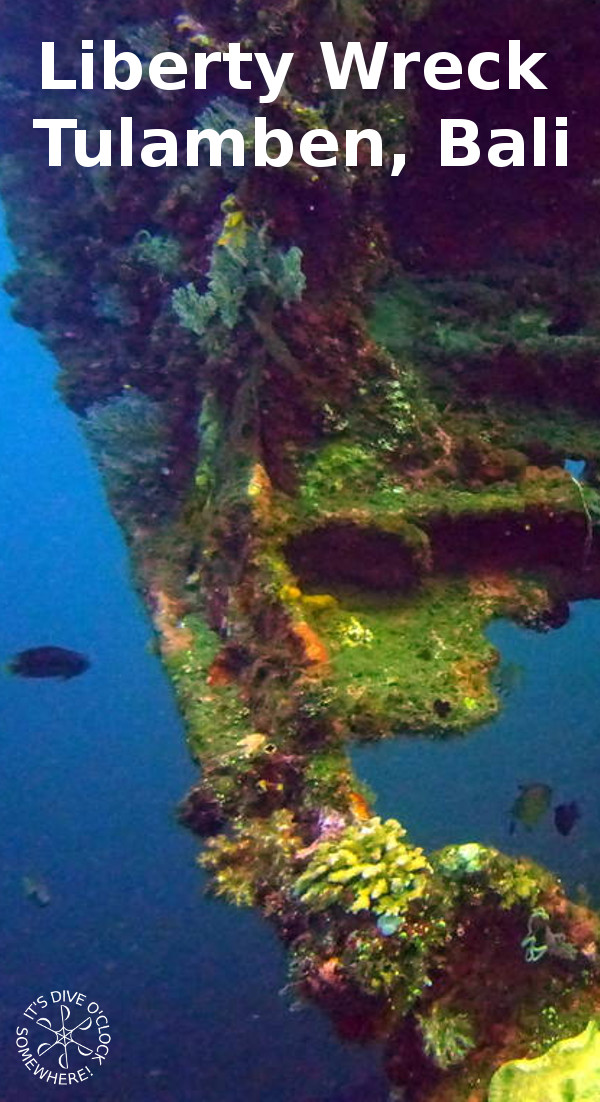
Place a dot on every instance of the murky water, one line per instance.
(462, 789)
(91, 771)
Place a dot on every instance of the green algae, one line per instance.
(216, 720)
(474, 318)
(393, 657)
(516, 882)
(257, 857)
(328, 779)
(344, 479)
(563, 432)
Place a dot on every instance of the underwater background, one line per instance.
(92, 771)
(307, 466)
(93, 768)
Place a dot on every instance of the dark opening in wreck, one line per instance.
(536, 214)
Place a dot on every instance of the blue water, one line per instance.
(91, 771)
(462, 789)
(576, 467)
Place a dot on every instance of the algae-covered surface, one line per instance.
(349, 426)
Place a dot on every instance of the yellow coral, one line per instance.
(235, 230)
(290, 593)
(319, 601)
(355, 634)
(369, 867)
(252, 744)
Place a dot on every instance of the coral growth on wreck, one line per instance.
(334, 422)
(368, 867)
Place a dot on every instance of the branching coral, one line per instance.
(369, 867)
(129, 439)
(147, 39)
(224, 114)
(244, 264)
(157, 250)
(447, 1036)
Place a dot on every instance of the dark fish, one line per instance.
(36, 890)
(565, 817)
(531, 805)
(49, 662)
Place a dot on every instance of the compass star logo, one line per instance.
(63, 1037)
